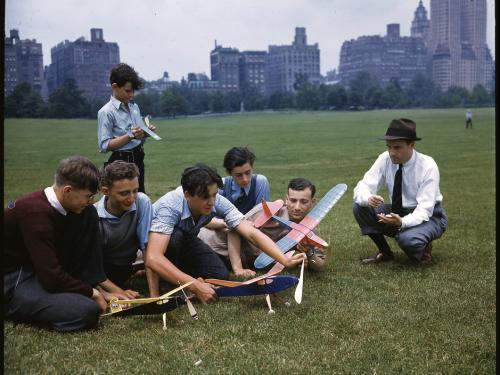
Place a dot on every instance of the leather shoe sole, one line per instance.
(378, 258)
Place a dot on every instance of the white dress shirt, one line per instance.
(420, 185)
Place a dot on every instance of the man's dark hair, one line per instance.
(237, 156)
(300, 183)
(78, 172)
(123, 73)
(118, 170)
(196, 180)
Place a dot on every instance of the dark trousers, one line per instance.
(136, 156)
(26, 301)
(118, 274)
(194, 257)
(411, 240)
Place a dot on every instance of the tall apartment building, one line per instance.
(252, 66)
(286, 61)
(87, 62)
(388, 57)
(23, 62)
(459, 53)
(421, 26)
(224, 68)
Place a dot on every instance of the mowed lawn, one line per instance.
(354, 319)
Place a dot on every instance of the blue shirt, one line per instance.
(172, 211)
(261, 189)
(143, 204)
(113, 121)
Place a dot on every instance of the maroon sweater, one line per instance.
(64, 251)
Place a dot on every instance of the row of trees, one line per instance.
(363, 92)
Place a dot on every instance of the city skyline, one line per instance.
(158, 39)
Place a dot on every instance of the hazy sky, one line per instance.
(177, 35)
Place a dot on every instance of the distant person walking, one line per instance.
(117, 128)
(468, 119)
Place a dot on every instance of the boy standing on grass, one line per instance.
(415, 216)
(117, 128)
(52, 254)
(125, 216)
(174, 251)
(241, 254)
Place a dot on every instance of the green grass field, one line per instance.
(388, 319)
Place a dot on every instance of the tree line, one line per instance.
(363, 92)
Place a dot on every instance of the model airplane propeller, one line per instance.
(299, 232)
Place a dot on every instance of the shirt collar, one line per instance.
(235, 188)
(54, 202)
(412, 160)
(186, 212)
(103, 213)
(117, 103)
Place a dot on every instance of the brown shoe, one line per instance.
(378, 258)
(427, 256)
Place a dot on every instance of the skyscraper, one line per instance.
(253, 69)
(87, 62)
(284, 63)
(224, 67)
(386, 58)
(421, 26)
(23, 61)
(458, 49)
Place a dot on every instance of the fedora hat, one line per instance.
(401, 128)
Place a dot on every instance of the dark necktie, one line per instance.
(397, 196)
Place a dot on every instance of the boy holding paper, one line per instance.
(119, 121)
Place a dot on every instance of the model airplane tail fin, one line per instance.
(269, 210)
(315, 240)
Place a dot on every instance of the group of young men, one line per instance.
(65, 258)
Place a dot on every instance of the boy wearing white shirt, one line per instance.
(415, 217)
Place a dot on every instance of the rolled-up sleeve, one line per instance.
(146, 216)
(225, 209)
(164, 219)
(104, 130)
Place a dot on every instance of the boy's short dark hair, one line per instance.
(237, 156)
(118, 170)
(196, 180)
(300, 184)
(78, 172)
(123, 73)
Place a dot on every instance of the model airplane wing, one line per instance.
(145, 306)
(326, 203)
(285, 244)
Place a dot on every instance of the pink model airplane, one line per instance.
(299, 232)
